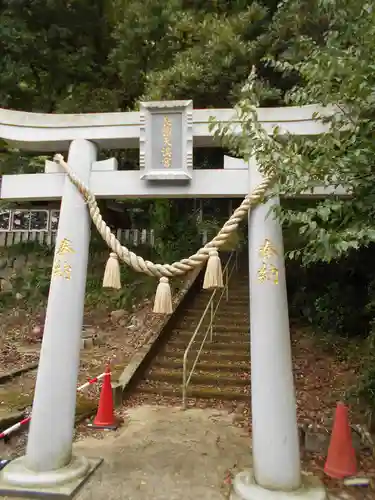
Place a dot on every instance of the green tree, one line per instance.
(54, 53)
(331, 65)
(179, 49)
(334, 68)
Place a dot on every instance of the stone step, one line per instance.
(237, 296)
(218, 327)
(210, 365)
(238, 283)
(234, 327)
(241, 291)
(234, 296)
(223, 311)
(222, 373)
(152, 399)
(235, 311)
(221, 379)
(199, 302)
(190, 322)
(225, 355)
(219, 319)
(195, 391)
(233, 345)
(237, 330)
(231, 302)
(227, 337)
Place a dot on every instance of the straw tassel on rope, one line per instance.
(112, 276)
(213, 277)
(163, 297)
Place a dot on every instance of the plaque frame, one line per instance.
(150, 171)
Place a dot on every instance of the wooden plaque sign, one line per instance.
(166, 141)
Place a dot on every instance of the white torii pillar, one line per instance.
(49, 465)
(276, 472)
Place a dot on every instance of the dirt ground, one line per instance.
(166, 453)
(117, 335)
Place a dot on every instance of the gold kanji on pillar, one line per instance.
(268, 271)
(62, 268)
(65, 247)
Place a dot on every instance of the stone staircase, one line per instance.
(222, 373)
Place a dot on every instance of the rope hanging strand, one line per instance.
(213, 276)
(163, 297)
(112, 275)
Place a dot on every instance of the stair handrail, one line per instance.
(230, 266)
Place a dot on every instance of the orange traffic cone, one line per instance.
(341, 460)
(105, 417)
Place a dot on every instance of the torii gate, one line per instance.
(161, 130)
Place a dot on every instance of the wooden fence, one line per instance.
(40, 225)
(131, 237)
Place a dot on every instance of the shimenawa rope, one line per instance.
(208, 252)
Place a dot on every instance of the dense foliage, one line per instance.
(334, 67)
(104, 56)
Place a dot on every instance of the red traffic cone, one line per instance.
(341, 460)
(105, 416)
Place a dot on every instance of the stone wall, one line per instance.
(11, 266)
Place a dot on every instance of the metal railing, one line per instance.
(210, 309)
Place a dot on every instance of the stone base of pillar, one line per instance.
(245, 488)
(18, 481)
